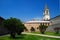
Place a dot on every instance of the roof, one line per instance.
(55, 17)
(37, 22)
(1, 18)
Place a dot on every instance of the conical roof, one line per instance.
(46, 7)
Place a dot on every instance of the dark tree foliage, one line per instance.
(32, 29)
(42, 28)
(25, 29)
(14, 26)
(20, 29)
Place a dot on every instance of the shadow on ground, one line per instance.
(18, 37)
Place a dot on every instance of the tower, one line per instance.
(46, 15)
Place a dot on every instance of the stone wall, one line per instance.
(34, 25)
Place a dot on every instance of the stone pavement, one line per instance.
(41, 35)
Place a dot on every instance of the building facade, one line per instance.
(3, 30)
(55, 24)
(35, 23)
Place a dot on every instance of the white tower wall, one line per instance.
(46, 15)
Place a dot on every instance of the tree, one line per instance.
(20, 29)
(42, 28)
(25, 29)
(14, 26)
(32, 29)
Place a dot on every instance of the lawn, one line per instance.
(48, 33)
(52, 33)
(27, 37)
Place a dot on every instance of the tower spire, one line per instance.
(46, 7)
(46, 15)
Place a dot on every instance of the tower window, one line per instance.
(47, 18)
(47, 12)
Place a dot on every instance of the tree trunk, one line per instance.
(19, 33)
(42, 32)
(12, 35)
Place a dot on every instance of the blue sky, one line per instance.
(28, 9)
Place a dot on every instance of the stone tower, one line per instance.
(46, 15)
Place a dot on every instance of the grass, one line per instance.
(27, 37)
(52, 33)
(48, 33)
